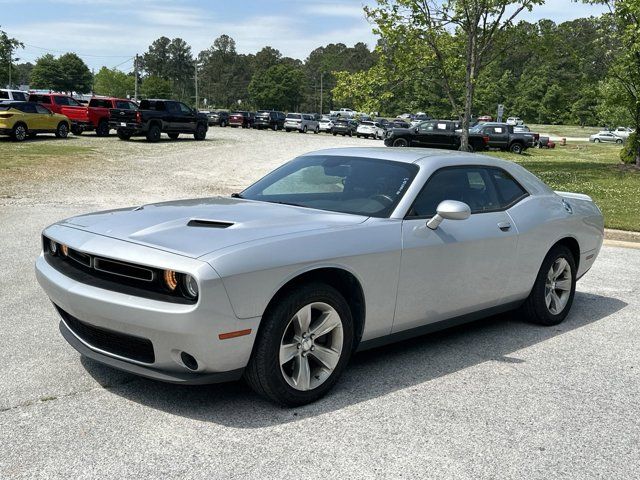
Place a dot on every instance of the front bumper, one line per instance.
(171, 328)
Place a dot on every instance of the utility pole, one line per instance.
(10, 55)
(135, 70)
(321, 74)
(196, 77)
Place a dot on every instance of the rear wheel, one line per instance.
(304, 343)
(596, 140)
(400, 142)
(201, 132)
(19, 132)
(123, 134)
(304, 129)
(223, 123)
(153, 134)
(317, 130)
(102, 130)
(62, 130)
(552, 295)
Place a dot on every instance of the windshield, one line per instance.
(476, 129)
(294, 115)
(360, 186)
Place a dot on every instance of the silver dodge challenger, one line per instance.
(336, 251)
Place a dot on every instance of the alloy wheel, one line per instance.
(557, 290)
(311, 346)
(20, 132)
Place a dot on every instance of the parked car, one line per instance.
(485, 118)
(546, 142)
(302, 122)
(157, 116)
(220, 118)
(269, 119)
(242, 119)
(20, 120)
(514, 121)
(9, 95)
(98, 112)
(282, 285)
(67, 106)
(505, 137)
(623, 132)
(325, 124)
(384, 123)
(434, 134)
(371, 129)
(344, 112)
(605, 136)
(344, 126)
(398, 123)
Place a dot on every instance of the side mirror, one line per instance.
(449, 210)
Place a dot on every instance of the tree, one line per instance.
(155, 62)
(279, 87)
(8, 46)
(75, 75)
(113, 83)
(155, 87)
(46, 73)
(266, 58)
(449, 27)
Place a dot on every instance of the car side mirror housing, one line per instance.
(449, 210)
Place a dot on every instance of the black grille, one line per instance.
(121, 344)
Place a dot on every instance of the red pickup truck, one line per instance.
(65, 105)
(98, 110)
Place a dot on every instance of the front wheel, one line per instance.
(201, 132)
(62, 130)
(618, 141)
(102, 130)
(516, 148)
(400, 142)
(304, 343)
(19, 132)
(304, 129)
(76, 130)
(552, 294)
(596, 140)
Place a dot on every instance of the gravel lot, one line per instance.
(496, 399)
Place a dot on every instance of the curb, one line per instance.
(621, 236)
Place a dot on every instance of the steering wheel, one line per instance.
(386, 200)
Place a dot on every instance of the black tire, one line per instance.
(123, 134)
(516, 148)
(350, 133)
(263, 373)
(304, 129)
(618, 141)
(62, 130)
(154, 133)
(274, 127)
(400, 142)
(173, 135)
(317, 130)
(358, 136)
(102, 130)
(596, 140)
(223, 123)
(535, 309)
(201, 132)
(334, 134)
(76, 130)
(287, 130)
(19, 132)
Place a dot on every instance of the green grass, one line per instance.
(592, 169)
(16, 155)
(564, 130)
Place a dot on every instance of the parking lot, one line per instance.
(496, 399)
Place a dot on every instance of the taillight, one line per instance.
(486, 139)
(6, 115)
(138, 117)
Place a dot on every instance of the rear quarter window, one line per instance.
(4, 95)
(509, 190)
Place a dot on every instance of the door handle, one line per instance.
(504, 226)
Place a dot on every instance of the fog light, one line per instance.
(170, 279)
(190, 286)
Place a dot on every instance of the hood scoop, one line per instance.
(208, 224)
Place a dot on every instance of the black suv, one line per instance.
(344, 126)
(269, 119)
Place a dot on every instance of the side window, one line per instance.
(61, 100)
(41, 109)
(4, 94)
(498, 130)
(471, 185)
(509, 191)
(184, 109)
(28, 108)
(44, 99)
(426, 127)
(19, 96)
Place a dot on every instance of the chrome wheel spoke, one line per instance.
(327, 357)
(302, 373)
(559, 267)
(288, 352)
(564, 285)
(327, 322)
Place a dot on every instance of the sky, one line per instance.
(110, 32)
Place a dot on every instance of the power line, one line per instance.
(79, 54)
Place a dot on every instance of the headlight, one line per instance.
(190, 286)
(170, 279)
(53, 247)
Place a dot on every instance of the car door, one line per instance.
(46, 118)
(462, 266)
(499, 136)
(425, 134)
(188, 118)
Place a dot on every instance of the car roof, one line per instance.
(411, 155)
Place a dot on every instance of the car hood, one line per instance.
(194, 228)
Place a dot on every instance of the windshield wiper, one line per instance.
(286, 203)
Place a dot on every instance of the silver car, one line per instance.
(605, 136)
(337, 251)
(302, 122)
